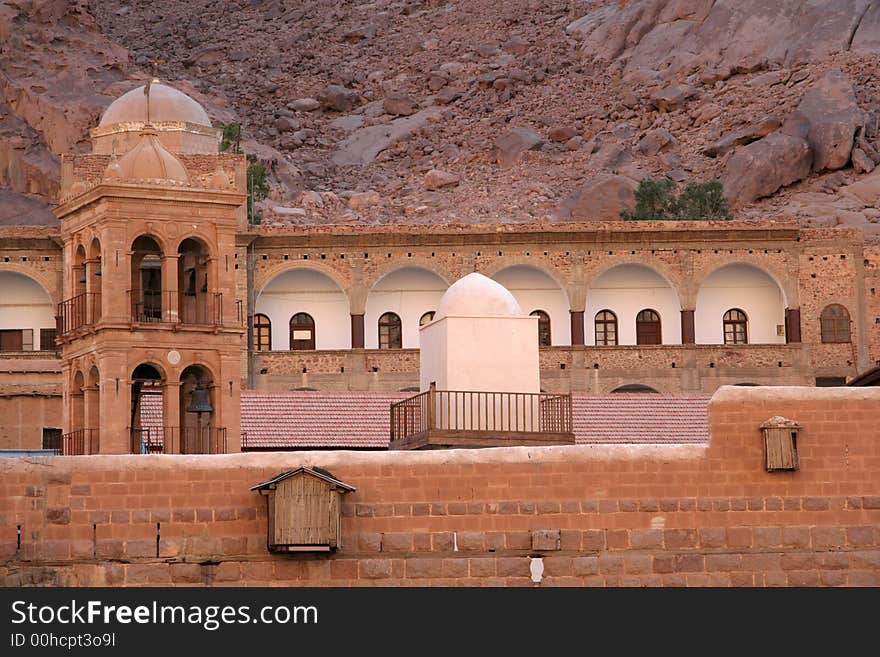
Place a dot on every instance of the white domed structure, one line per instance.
(476, 295)
(182, 124)
(480, 340)
(148, 161)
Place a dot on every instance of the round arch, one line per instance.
(153, 236)
(626, 289)
(408, 292)
(748, 288)
(140, 371)
(310, 290)
(27, 313)
(536, 289)
(263, 277)
(787, 286)
(635, 388)
(506, 262)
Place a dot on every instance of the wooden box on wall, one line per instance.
(780, 444)
(303, 510)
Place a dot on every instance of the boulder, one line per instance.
(861, 162)
(305, 104)
(655, 141)
(562, 133)
(866, 190)
(339, 98)
(437, 179)
(671, 98)
(747, 135)
(400, 105)
(363, 200)
(828, 117)
(513, 143)
(600, 199)
(362, 146)
(762, 167)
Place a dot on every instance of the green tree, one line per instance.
(698, 201)
(257, 174)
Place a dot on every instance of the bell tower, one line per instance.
(151, 328)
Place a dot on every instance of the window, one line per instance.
(543, 327)
(52, 439)
(262, 333)
(302, 332)
(17, 340)
(606, 328)
(390, 332)
(648, 327)
(736, 326)
(835, 324)
(830, 381)
(427, 318)
(47, 339)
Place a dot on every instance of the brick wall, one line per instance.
(597, 515)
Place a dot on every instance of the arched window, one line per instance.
(543, 327)
(736, 327)
(606, 328)
(262, 333)
(648, 327)
(390, 332)
(302, 332)
(427, 318)
(835, 324)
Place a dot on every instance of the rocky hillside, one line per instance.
(435, 111)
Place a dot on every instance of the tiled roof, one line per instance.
(289, 420)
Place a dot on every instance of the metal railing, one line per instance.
(80, 442)
(178, 440)
(485, 412)
(79, 311)
(174, 307)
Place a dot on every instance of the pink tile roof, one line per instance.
(292, 420)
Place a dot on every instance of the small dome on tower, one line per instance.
(476, 295)
(166, 104)
(149, 160)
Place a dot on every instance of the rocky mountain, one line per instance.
(441, 111)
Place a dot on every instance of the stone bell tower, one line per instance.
(150, 328)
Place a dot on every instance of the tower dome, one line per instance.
(181, 123)
(476, 295)
(149, 160)
(166, 104)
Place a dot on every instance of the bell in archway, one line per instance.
(200, 401)
(82, 278)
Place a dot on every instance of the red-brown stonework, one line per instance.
(691, 515)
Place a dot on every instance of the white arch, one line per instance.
(309, 291)
(534, 289)
(408, 292)
(25, 306)
(748, 288)
(626, 290)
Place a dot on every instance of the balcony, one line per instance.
(78, 312)
(80, 442)
(450, 418)
(173, 307)
(178, 440)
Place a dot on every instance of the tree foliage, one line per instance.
(257, 174)
(656, 200)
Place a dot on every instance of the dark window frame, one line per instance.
(545, 337)
(390, 331)
(735, 328)
(302, 344)
(604, 323)
(835, 329)
(262, 332)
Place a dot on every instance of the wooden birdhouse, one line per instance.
(780, 444)
(303, 509)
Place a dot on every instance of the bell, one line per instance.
(200, 401)
(82, 278)
(98, 268)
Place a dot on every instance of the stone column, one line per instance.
(688, 334)
(792, 325)
(357, 331)
(577, 327)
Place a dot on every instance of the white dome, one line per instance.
(166, 104)
(476, 295)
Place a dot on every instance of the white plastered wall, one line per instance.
(627, 290)
(535, 290)
(306, 291)
(24, 304)
(745, 287)
(410, 293)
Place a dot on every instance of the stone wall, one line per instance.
(596, 515)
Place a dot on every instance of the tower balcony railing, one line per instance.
(80, 442)
(174, 307)
(178, 440)
(77, 312)
(448, 418)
